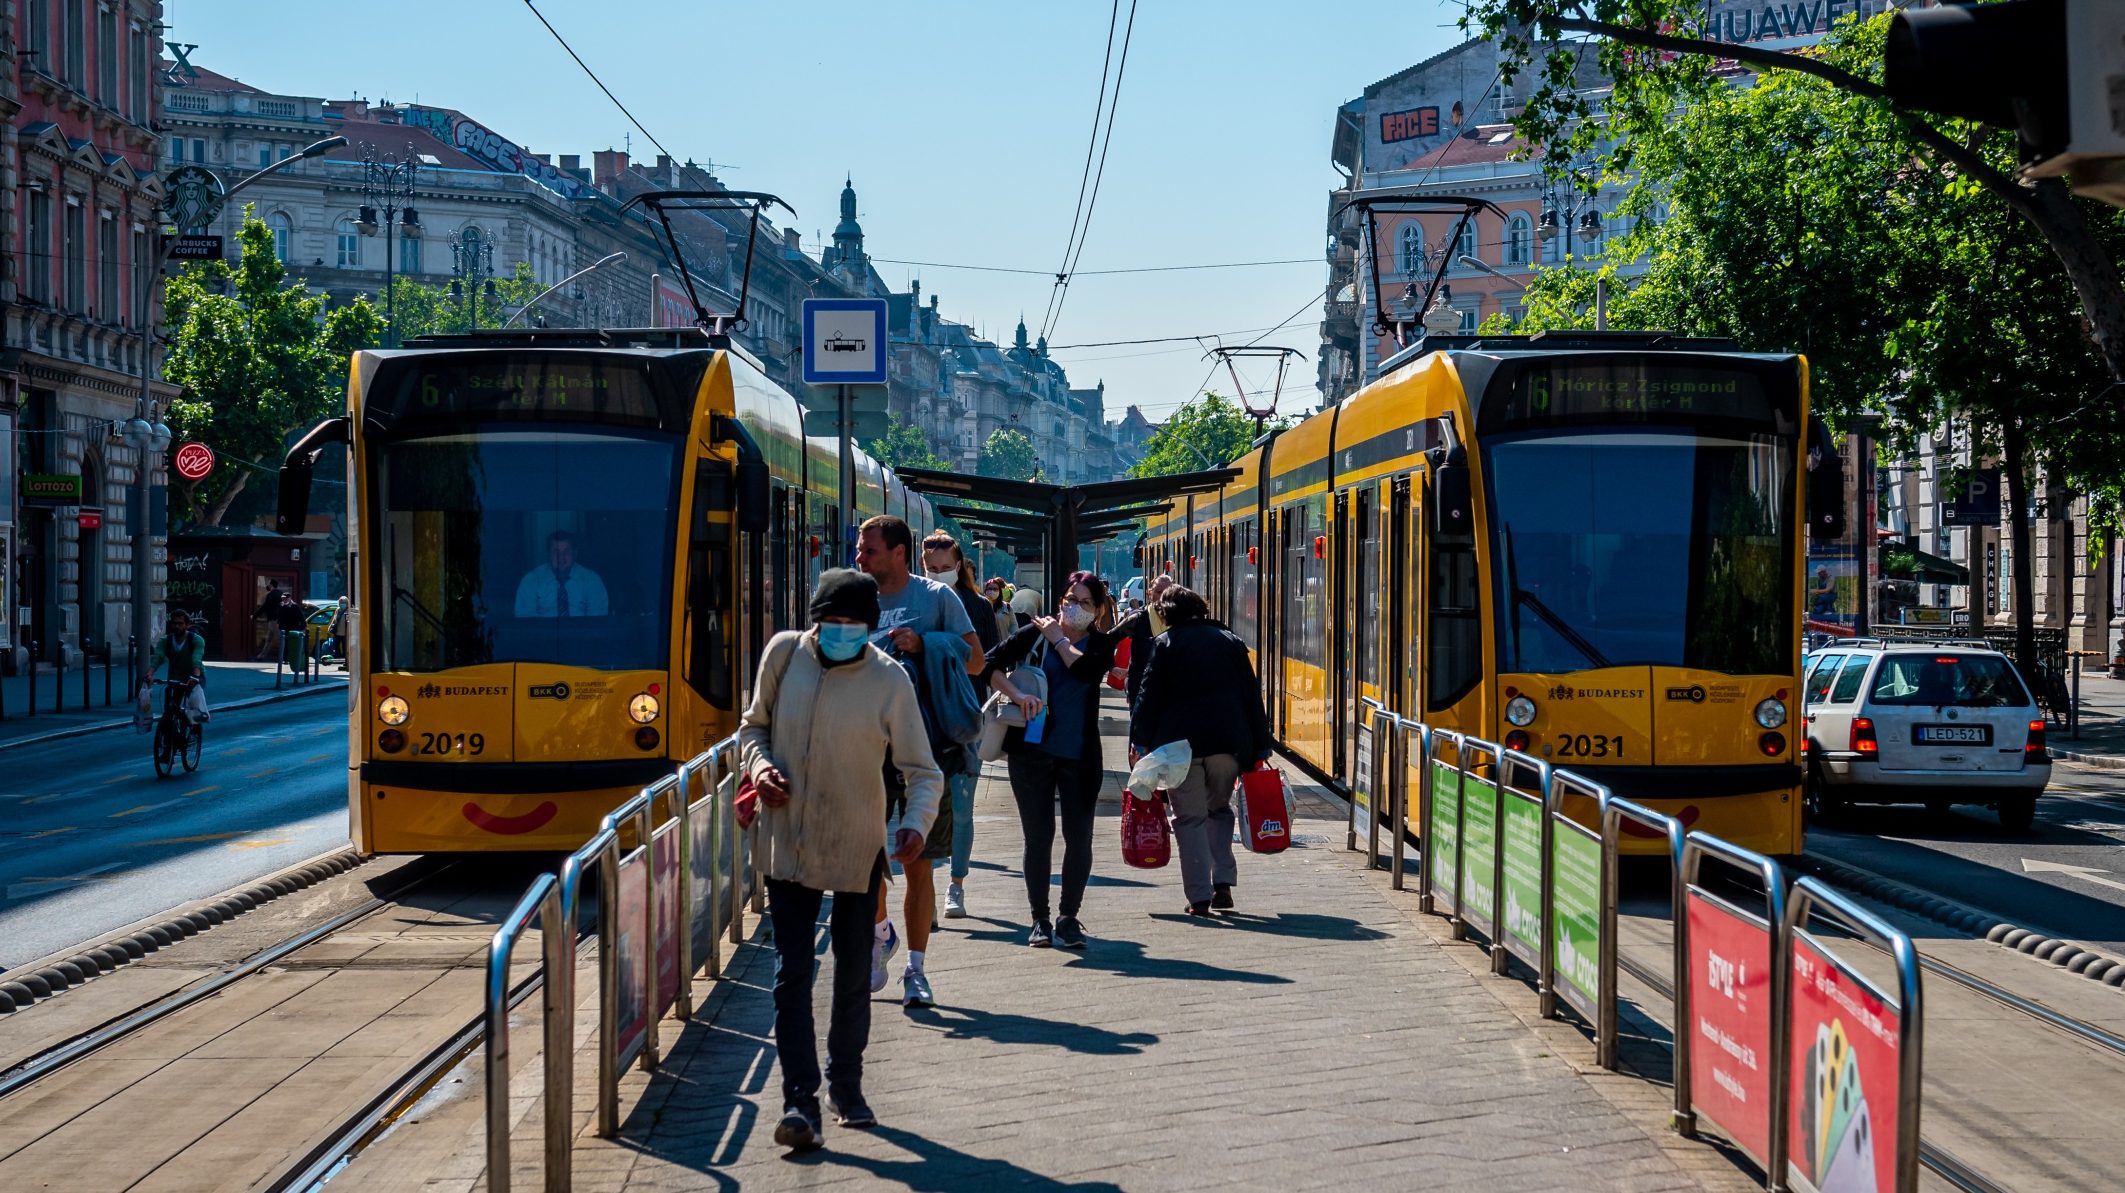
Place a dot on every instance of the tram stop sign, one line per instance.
(194, 461)
(844, 341)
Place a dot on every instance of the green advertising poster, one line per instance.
(1575, 859)
(1479, 852)
(1523, 878)
(1445, 830)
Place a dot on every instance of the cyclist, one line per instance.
(185, 651)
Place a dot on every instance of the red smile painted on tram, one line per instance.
(512, 826)
(1688, 816)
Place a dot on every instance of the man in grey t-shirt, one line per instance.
(909, 606)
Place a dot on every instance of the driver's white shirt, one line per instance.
(537, 595)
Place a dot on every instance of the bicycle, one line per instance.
(178, 738)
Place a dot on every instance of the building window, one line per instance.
(1468, 320)
(107, 56)
(1465, 243)
(177, 150)
(107, 302)
(1412, 248)
(350, 246)
(74, 39)
(40, 31)
(136, 99)
(409, 254)
(265, 155)
(199, 151)
(283, 230)
(76, 249)
(1553, 248)
(39, 235)
(1517, 232)
(140, 262)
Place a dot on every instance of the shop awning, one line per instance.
(1910, 563)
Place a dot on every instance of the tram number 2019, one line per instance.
(450, 743)
(1580, 745)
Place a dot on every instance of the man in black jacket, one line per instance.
(1199, 685)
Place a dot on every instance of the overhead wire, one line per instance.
(1106, 142)
(595, 79)
(1084, 177)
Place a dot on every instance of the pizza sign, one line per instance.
(194, 461)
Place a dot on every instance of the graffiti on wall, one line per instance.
(475, 140)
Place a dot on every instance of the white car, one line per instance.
(1133, 593)
(1927, 723)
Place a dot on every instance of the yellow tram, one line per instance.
(1588, 546)
(568, 548)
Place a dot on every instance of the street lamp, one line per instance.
(599, 264)
(472, 260)
(387, 189)
(145, 432)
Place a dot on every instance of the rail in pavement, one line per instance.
(1317, 1036)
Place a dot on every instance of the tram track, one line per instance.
(325, 1040)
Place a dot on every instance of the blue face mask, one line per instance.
(842, 642)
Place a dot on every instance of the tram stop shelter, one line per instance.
(1055, 520)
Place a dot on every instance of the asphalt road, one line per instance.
(2065, 878)
(91, 840)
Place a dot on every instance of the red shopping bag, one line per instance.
(1118, 674)
(1264, 810)
(1147, 841)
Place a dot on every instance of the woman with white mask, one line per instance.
(1056, 758)
(944, 562)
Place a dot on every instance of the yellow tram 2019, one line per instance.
(1589, 547)
(567, 551)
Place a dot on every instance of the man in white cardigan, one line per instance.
(826, 708)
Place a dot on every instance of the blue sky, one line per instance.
(963, 124)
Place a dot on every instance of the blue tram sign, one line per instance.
(844, 341)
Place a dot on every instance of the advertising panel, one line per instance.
(1361, 775)
(664, 865)
(1575, 917)
(1842, 1103)
(1523, 878)
(1445, 831)
(1479, 844)
(631, 956)
(1730, 1022)
(704, 865)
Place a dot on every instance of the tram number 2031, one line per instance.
(1580, 745)
(473, 744)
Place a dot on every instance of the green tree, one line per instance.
(904, 446)
(1008, 455)
(1209, 432)
(418, 309)
(256, 363)
(1662, 57)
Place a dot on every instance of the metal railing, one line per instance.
(1529, 855)
(693, 874)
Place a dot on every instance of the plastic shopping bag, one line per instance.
(195, 703)
(143, 711)
(1162, 769)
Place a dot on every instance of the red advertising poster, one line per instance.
(1730, 1024)
(631, 954)
(664, 863)
(1846, 1045)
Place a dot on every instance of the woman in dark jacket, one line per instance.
(1057, 756)
(1199, 685)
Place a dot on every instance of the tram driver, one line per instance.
(560, 587)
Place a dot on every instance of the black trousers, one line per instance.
(794, 910)
(1040, 781)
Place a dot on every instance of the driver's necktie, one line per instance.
(560, 596)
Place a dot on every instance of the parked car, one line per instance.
(1927, 723)
(1133, 593)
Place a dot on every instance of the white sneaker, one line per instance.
(915, 990)
(955, 902)
(882, 950)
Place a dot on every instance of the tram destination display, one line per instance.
(519, 385)
(1634, 391)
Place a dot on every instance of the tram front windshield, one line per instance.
(518, 544)
(1644, 548)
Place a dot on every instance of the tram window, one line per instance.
(1369, 588)
(1247, 583)
(708, 586)
(1455, 641)
(488, 537)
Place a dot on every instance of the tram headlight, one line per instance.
(1771, 712)
(1520, 711)
(643, 708)
(393, 710)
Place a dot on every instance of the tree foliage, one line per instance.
(418, 309)
(1209, 432)
(1008, 455)
(904, 446)
(1662, 58)
(255, 363)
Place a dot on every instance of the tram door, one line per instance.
(1398, 585)
(1342, 628)
(1363, 609)
(1271, 613)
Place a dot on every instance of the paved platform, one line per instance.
(1325, 1034)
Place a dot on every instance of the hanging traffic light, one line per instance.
(2003, 64)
